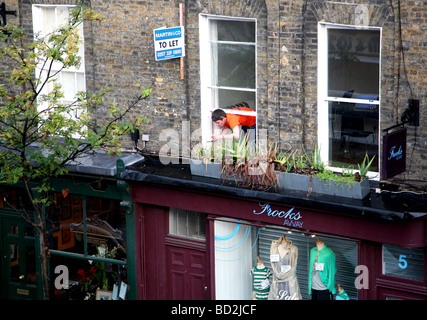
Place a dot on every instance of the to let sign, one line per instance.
(169, 43)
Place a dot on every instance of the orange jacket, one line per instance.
(234, 120)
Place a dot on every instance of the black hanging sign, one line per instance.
(394, 153)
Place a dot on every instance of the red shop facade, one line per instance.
(199, 239)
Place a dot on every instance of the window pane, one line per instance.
(187, 223)
(231, 97)
(403, 262)
(49, 20)
(235, 65)
(13, 229)
(69, 85)
(80, 82)
(353, 132)
(239, 31)
(14, 262)
(353, 63)
(196, 225)
(30, 258)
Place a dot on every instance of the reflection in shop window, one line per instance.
(102, 235)
(105, 226)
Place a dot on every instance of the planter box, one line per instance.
(211, 169)
(300, 182)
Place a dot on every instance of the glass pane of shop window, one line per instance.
(30, 258)
(14, 262)
(13, 229)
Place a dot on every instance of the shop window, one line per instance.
(238, 244)
(187, 224)
(104, 226)
(47, 19)
(93, 230)
(403, 262)
(348, 95)
(227, 66)
(12, 197)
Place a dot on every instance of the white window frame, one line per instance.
(39, 16)
(323, 99)
(208, 92)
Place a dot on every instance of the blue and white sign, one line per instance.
(169, 43)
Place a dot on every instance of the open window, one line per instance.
(348, 95)
(227, 66)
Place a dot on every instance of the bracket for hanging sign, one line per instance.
(411, 115)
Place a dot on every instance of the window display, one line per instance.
(284, 257)
(298, 266)
(261, 282)
(87, 235)
(321, 278)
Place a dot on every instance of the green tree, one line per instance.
(40, 134)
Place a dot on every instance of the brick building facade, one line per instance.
(120, 52)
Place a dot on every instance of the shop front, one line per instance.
(88, 228)
(198, 240)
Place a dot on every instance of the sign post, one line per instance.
(169, 43)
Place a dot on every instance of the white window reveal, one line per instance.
(349, 95)
(227, 66)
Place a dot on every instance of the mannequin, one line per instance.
(284, 257)
(321, 280)
(261, 284)
(342, 295)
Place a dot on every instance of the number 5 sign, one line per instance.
(403, 262)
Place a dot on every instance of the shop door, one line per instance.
(187, 279)
(18, 266)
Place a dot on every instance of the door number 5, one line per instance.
(402, 261)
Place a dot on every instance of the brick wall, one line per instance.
(120, 52)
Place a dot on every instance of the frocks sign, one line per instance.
(394, 153)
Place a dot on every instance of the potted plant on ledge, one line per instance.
(235, 161)
(308, 173)
(206, 162)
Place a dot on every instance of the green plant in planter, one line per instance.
(207, 155)
(345, 177)
(253, 168)
(283, 159)
(315, 161)
(364, 167)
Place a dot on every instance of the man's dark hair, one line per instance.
(218, 114)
